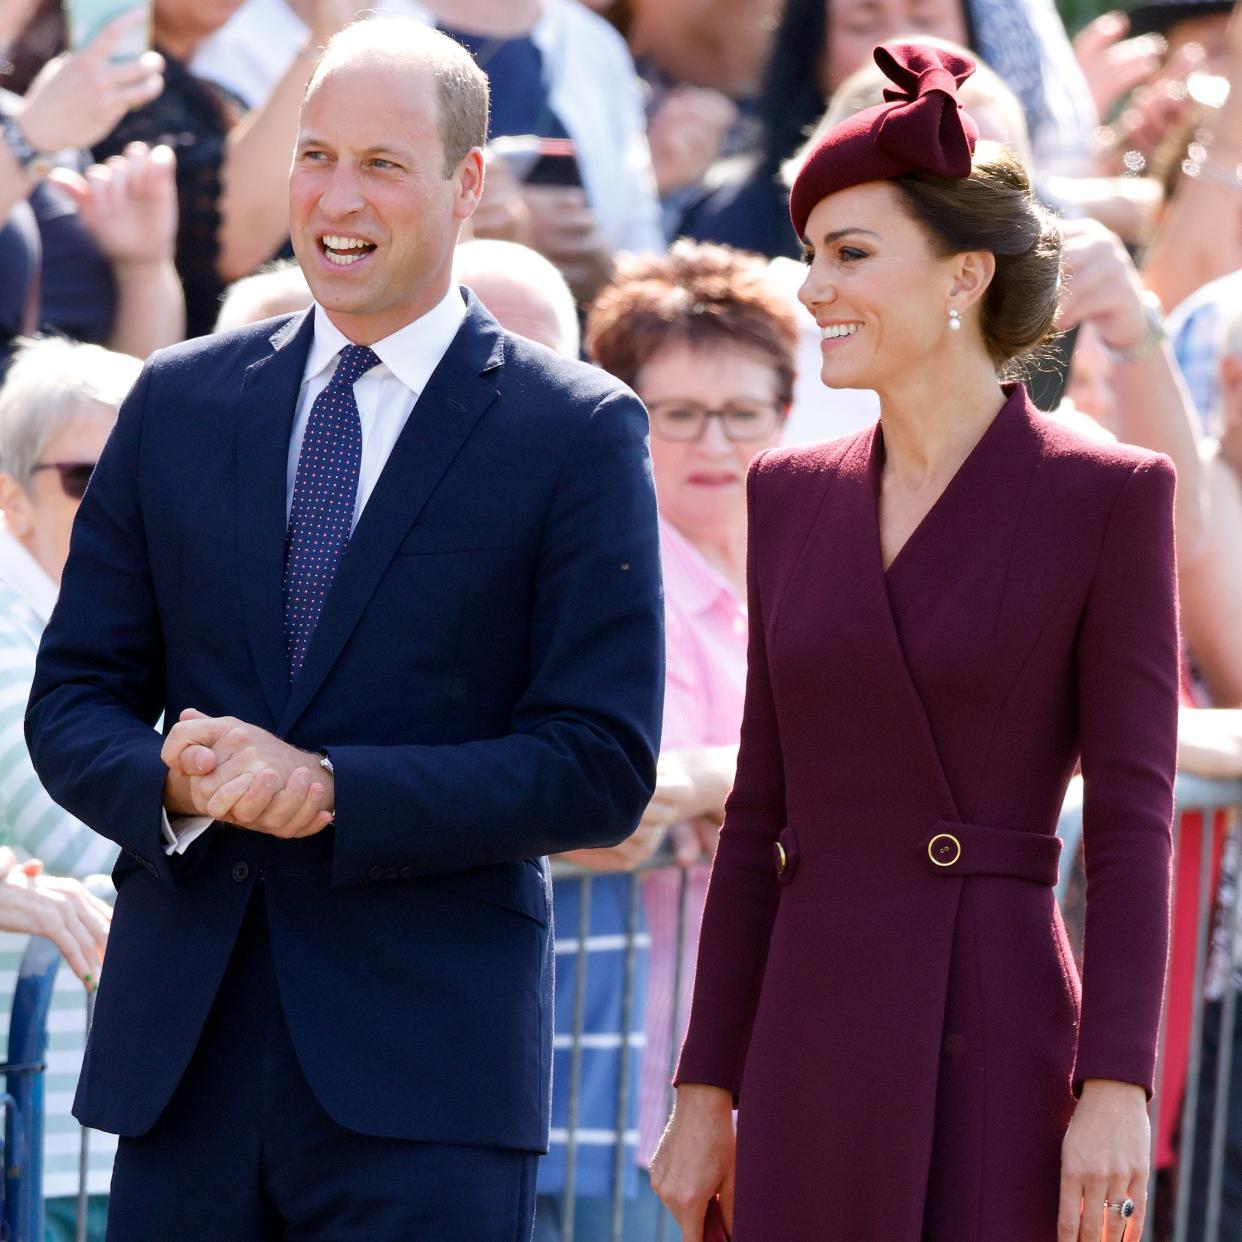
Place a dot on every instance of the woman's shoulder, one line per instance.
(796, 465)
(1073, 452)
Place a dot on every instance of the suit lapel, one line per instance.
(460, 390)
(268, 402)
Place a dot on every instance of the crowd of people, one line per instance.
(636, 213)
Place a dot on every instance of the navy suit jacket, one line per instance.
(486, 676)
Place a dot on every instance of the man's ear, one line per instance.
(469, 178)
(15, 506)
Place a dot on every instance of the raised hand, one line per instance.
(1112, 64)
(129, 204)
(1102, 285)
(78, 98)
(685, 134)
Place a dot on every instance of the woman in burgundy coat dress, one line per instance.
(947, 611)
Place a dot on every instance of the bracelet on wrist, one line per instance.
(1200, 165)
(1155, 336)
(34, 163)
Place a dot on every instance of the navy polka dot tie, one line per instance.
(325, 489)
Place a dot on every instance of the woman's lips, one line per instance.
(712, 478)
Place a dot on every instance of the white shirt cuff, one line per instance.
(180, 833)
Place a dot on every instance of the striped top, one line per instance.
(33, 826)
(705, 684)
(603, 1120)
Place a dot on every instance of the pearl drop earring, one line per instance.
(955, 319)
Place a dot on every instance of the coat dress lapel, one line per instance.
(948, 588)
(459, 392)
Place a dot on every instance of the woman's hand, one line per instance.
(695, 1159)
(71, 918)
(685, 134)
(502, 212)
(629, 854)
(77, 99)
(129, 204)
(1113, 64)
(1105, 1155)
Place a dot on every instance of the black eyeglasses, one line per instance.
(687, 420)
(74, 475)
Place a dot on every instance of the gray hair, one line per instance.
(476, 260)
(50, 384)
(462, 87)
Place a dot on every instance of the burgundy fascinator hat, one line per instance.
(921, 128)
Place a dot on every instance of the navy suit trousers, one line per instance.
(245, 1153)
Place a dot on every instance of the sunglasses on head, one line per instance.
(74, 475)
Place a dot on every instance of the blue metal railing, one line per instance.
(22, 1218)
(1192, 794)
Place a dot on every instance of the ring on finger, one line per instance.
(1123, 1208)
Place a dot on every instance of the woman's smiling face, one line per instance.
(878, 290)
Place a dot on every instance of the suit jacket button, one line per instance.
(376, 873)
(391, 873)
(241, 872)
(407, 873)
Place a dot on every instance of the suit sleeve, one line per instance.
(1128, 698)
(743, 893)
(98, 684)
(578, 765)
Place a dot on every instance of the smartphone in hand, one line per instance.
(86, 18)
(538, 161)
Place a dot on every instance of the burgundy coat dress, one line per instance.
(884, 980)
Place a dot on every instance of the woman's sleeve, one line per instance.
(1128, 698)
(33, 825)
(743, 893)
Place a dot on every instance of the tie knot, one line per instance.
(354, 361)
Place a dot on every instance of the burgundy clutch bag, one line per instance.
(714, 1224)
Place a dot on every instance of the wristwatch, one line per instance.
(35, 164)
(1157, 332)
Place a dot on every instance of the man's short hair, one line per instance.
(462, 86)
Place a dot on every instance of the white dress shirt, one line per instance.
(386, 396)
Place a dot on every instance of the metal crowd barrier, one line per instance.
(1207, 845)
(22, 1216)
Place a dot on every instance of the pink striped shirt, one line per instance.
(705, 636)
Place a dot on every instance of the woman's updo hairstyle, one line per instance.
(994, 209)
(966, 192)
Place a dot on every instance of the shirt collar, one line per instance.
(411, 353)
(691, 583)
(24, 575)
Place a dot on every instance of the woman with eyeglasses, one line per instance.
(707, 341)
(57, 406)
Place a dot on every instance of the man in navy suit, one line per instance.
(394, 574)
